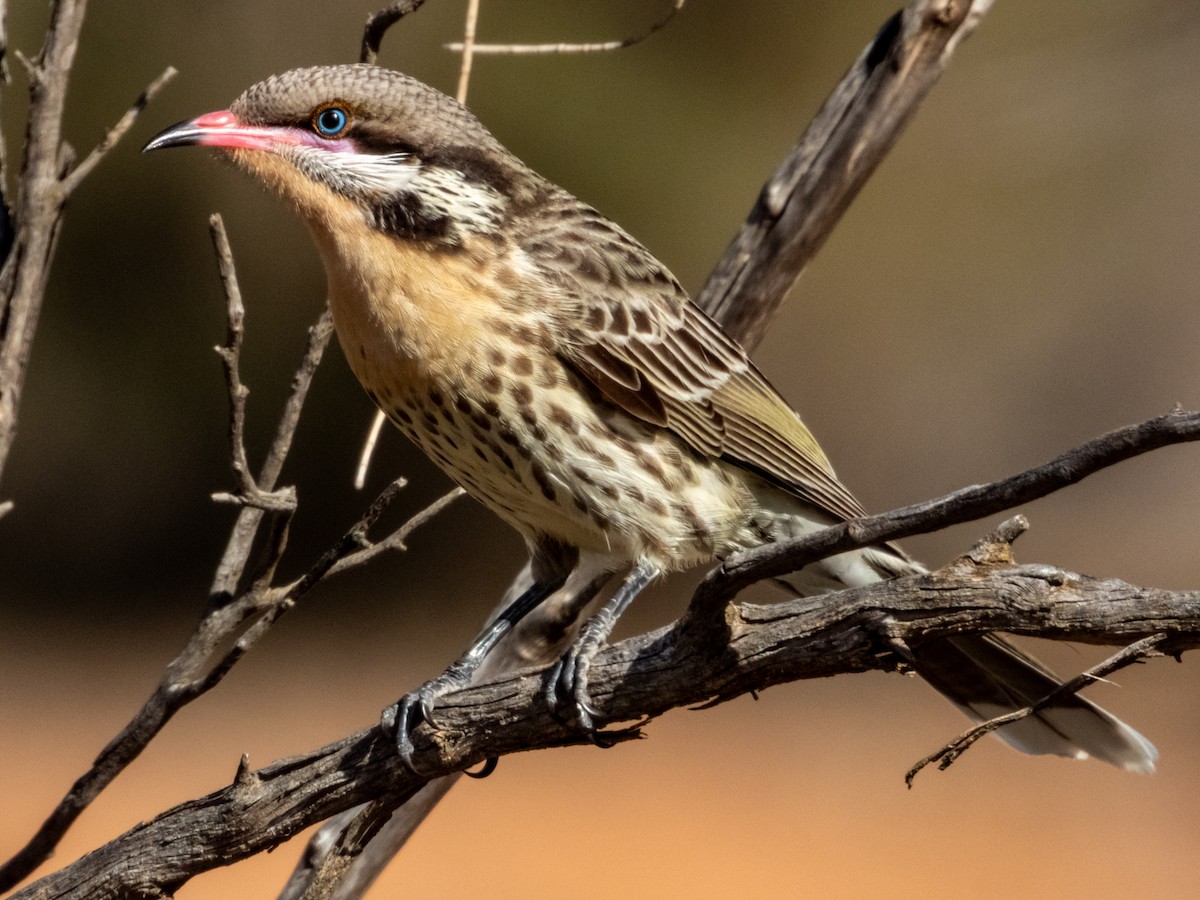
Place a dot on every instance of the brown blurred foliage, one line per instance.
(1019, 276)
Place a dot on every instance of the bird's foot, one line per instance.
(414, 709)
(567, 685)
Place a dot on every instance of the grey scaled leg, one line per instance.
(567, 687)
(402, 717)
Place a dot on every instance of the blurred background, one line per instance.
(1020, 275)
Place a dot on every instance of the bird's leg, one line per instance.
(567, 687)
(402, 717)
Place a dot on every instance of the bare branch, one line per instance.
(963, 505)
(241, 538)
(379, 22)
(272, 603)
(945, 757)
(853, 132)
(640, 678)
(72, 181)
(3, 48)
(38, 211)
(468, 46)
(395, 540)
(368, 449)
(352, 540)
(6, 224)
(468, 50)
(349, 851)
(249, 493)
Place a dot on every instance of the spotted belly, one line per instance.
(532, 443)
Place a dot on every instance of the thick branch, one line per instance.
(850, 136)
(639, 678)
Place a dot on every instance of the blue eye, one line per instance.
(331, 121)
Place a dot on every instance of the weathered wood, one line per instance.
(645, 676)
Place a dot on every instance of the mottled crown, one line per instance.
(388, 107)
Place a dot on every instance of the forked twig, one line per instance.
(249, 493)
(946, 756)
(118, 131)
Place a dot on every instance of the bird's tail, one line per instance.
(985, 677)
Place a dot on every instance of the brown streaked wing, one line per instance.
(649, 350)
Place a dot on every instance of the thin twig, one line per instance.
(7, 232)
(274, 602)
(114, 134)
(241, 537)
(249, 492)
(377, 25)
(964, 505)
(353, 540)
(395, 540)
(946, 756)
(467, 46)
(368, 449)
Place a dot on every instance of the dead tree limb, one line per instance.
(635, 680)
(853, 132)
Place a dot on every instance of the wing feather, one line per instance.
(648, 349)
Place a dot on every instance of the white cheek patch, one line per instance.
(356, 174)
(472, 205)
(402, 183)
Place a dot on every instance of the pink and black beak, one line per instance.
(217, 129)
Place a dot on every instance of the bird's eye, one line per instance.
(331, 122)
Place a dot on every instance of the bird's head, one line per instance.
(360, 140)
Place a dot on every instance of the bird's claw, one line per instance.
(567, 690)
(411, 711)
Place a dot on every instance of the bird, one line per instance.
(554, 368)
